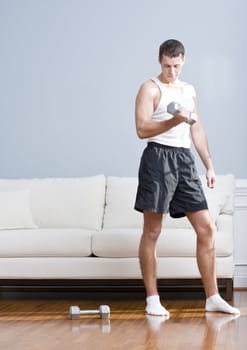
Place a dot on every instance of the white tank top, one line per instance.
(183, 93)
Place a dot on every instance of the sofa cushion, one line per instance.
(225, 185)
(68, 202)
(124, 243)
(15, 184)
(116, 243)
(45, 243)
(15, 210)
(120, 200)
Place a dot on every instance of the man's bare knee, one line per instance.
(206, 237)
(152, 225)
(152, 234)
(206, 231)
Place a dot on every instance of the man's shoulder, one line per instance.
(149, 86)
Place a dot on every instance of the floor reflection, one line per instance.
(160, 331)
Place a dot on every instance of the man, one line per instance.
(168, 180)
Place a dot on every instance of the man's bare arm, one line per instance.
(146, 102)
(200, 142)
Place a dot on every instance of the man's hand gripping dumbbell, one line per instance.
(175, 109)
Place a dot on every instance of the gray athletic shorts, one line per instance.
(168, 181)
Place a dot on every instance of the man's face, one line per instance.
(171, 67)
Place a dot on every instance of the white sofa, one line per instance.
(85, 229)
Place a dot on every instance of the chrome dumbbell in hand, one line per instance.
(175, 108)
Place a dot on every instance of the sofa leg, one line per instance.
(226, 288)
(229, 289)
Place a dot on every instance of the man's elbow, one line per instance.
(141, 133)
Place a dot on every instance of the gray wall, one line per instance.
(70, 71)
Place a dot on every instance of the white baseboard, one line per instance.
(240, 282)
(240, 275)
(240, 237)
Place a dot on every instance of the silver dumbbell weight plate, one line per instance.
(173, 108)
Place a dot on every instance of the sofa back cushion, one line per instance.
(120, 200)
(68, 202)
(63, 202)
(15, 211)
(224, 189)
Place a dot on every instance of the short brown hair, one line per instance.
(171, 48)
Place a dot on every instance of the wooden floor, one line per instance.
(31, 323)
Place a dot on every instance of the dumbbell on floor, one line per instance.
(75, 312)
(174, 108)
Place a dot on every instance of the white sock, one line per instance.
(216, 303)
(154, 306)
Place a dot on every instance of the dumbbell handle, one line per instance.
(192, 119)
(89, 312)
